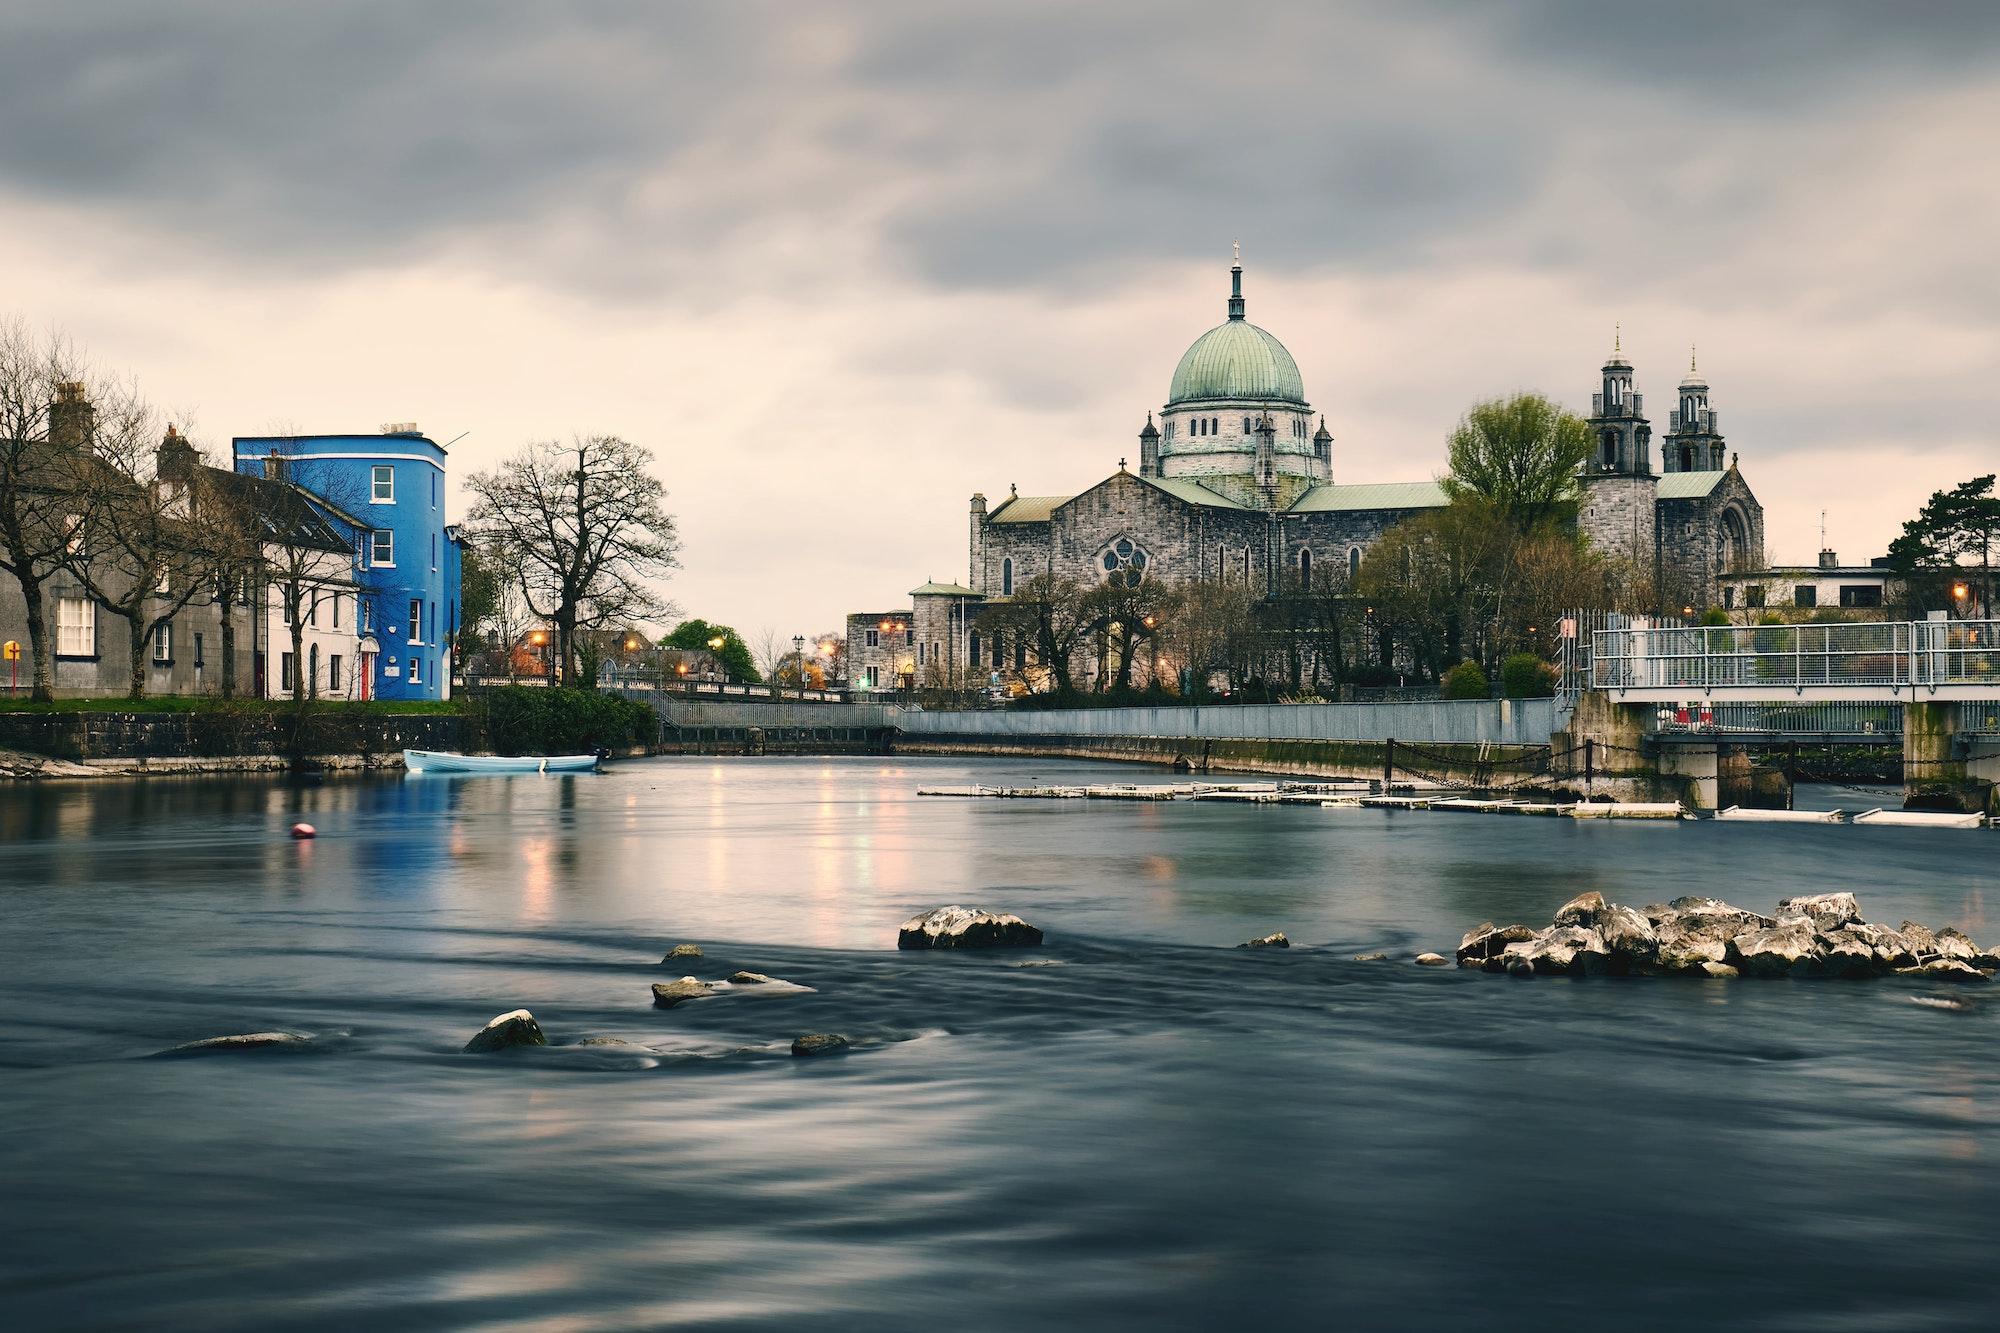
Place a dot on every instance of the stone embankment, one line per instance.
(1821, 935)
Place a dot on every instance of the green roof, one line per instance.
(1688, 485)
(1192, 491)
(943, 590)
(1236, 359)
(1027, 508)
(1331, 499)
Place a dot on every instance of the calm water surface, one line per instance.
(1157, 1130)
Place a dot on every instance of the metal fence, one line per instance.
(1873, 654)
(1846, 720)
(1470, 722)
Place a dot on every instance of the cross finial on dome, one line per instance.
(1691, 369)
(1617, 339)
(1237, 246)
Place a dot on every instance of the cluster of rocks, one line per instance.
(1818, 935)
(1275, 940)
(667, 994)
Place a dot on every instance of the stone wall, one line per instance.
(230, 733)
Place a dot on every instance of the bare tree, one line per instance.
(46, 429)
(1052, 615)
(581, 527)
(143, 552)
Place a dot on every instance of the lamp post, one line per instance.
(799, 662)
(540, 639)
(715, 647)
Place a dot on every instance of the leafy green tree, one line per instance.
(1521, 454)
(1950, 542)
(1526, 676)
(694, 636)
(1466, 681)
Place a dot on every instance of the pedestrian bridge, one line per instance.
(1921, 661)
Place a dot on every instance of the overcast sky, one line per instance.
(839, 267)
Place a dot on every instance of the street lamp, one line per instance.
(715, 647)
(799, 661)
(540, 639)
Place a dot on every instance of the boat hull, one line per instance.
(439, 761)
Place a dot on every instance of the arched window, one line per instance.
(1246, 425)
(972, 648)
(1610, 448)
(1214, 425)
(1007, 577)
(1687, 458)
(1306, 567)
(1354, 562)
(1246, 564)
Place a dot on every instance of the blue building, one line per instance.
(390, 490)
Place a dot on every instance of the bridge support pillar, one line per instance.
(1701, 767)
(1941, 770)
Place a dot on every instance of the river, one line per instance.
(1155, 1131)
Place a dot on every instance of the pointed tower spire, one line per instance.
(1236, 283)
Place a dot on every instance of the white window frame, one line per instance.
(416, 674)
(380, 540)
(163, 641)
(286, 666)
(76, 627)
(416, 620)
(333, 673)
(382, 484)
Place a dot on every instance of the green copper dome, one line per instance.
(1237, 360)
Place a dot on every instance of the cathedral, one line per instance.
(1236, 481)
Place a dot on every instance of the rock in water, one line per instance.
(1826, 911)
(1432, 960)
(1371, 958)
(1775, 951)
(1719, 970)
(1922, 943)
(819, 1043)
(1275, 940)
(1844, 954)
(1955, 944)
(517, 1028)
(667, 994)
(1950, 969)
(290, 1042)
(966, 928)
(682, 951)
(1582, 910)
(1559, 950)
(1629, 936)
(1487, 940)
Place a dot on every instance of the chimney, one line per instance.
(72, 420)
(174, 459)
(274, 466)
(1828, 560)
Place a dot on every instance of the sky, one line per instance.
(840, 266)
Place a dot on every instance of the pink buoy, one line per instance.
(304, 831)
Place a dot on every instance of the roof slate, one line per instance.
(943, 590)
(1027, 508)
(1331, 499)
(1192, 491)
(1688, 485)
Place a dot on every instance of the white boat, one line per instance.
(442, 761)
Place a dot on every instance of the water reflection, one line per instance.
(1161, 1131)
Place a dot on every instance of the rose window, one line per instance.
(1125, 562)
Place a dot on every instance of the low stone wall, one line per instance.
(346, 737)
(1472, 765)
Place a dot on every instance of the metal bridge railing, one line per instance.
(1869, 654)
(1839, 718)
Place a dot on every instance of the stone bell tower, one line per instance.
(1620, 490)
(1693, 441)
